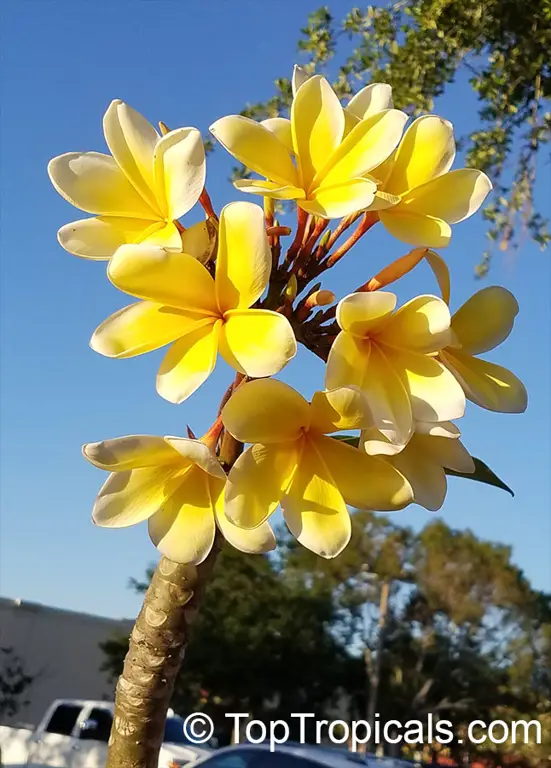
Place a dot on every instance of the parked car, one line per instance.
(284, 756)
(74, 734)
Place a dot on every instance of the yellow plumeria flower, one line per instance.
(432, 449)
(201, 315)
(431, 197)
(483, 322)
(137, 192)
(329, 176)
(294, 463)
(369, 100)
(389, 356)
(178, 486)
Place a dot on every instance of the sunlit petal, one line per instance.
(175, 279)
(427, 150)
(180, 170)
(369, 100)
(317, 120)
(131, 496)
(184, 527)
(244, 259)
(269, 189)
(489, 385)
(196, 452)
(362, 313)
(129, 452)
(99, 237)
(452, 197)
(266, 411)
(262, 342)
(416, 229)
(143, 327)
(314, 508)
(257, 147)
(338, 409)
(131, 140)
(485, 320)
(94, 183)
(281, 126)
(422, 324)
(253, 541)
(257, 482)
(338, 200)
(188, 363)
(364, 481)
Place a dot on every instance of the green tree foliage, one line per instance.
(465, 635)
(420, 47)
(258, 645)
(14, 683)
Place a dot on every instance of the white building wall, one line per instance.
(61, 648)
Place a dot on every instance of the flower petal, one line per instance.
(253, 541)
(314, 508)
(266, 411)
(337, 409)
(365, 482)
(200, 240)
(197, 452)
(281, 126)
(450, 454)
(452, 197)
(175, 279)
(369, 100)
(94, 183)
(165, 236)
(363, 313)
(131, 496)
(269, 189)
(257, 147)
(184, 527)
(338, 200)
(143, 327)
(437, 429)
(300, 76)
(389, 405)
(416, 229)
(188, 363)
(131, 140)
(435, 394)
(422, 324)
(426, 151)
(426, 476)
(257, 482)
(485, 320)
(244, 259)
(260, 341)
(367, 145)
(317, 119)
(180, 170)
(488, 385)
(129, 452)
(347, 361)
(99, 237)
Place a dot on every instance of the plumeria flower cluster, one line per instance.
(380, 433)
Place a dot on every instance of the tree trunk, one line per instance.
(375, 677)
(157, 646)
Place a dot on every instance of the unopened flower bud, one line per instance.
(291, 289)
(396, 270)
(320, 299)
(163, 127)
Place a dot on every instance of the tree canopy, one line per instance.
(420, 47)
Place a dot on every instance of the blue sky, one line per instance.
(188, 63)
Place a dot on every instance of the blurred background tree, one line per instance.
(461, 634)
(420, 47)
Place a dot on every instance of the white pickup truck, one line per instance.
(74, 734)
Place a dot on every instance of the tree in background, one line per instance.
(258, 646)
(464, 635)
(14, 683)
(420, 47)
